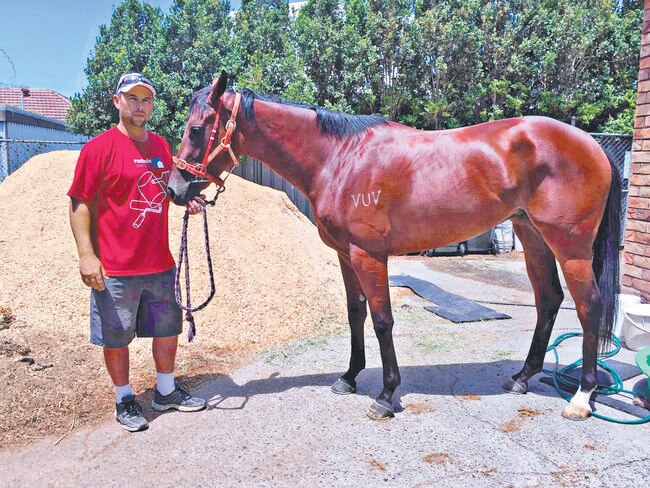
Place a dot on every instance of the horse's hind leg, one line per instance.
(542, 271)
(574, 252)
(580, 278)
(357, 312)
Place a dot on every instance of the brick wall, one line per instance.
(636, 270)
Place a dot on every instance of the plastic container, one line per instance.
(636, 326)
(625, 301)
(503, 237)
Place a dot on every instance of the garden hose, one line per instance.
(562, 377)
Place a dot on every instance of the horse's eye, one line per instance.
(196, 130)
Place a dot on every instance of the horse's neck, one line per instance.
(286, 139)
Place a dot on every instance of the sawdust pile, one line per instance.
(276, 282)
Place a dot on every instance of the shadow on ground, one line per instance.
(483, 379)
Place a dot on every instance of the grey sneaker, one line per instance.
(129, 414)
(178, 399)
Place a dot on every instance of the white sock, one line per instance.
(165, 383)
(122, 391)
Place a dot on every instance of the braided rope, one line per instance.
(183, 256)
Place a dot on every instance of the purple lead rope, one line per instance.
(183, 256)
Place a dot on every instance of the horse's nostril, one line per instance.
(171, 193)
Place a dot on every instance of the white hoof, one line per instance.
(578, 408)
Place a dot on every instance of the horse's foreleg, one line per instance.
(357, 312)
(373, 276)
(542, 271)
(581, 281)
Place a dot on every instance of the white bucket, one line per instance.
(636, 326)
(625, 301)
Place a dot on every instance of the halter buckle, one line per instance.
(180, 163)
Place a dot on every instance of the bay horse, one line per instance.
(378, 188)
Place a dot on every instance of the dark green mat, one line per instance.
(449, 306)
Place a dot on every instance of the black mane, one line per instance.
(337, 124)
(330, 122)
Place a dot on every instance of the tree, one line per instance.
(431, 64)
(130, 43)
(263, 42)
(202, 46)
(451, 72)
(317, 36)
(331, 40)
(389, 24)
(624, 48)
(582, 59)
(489, 59)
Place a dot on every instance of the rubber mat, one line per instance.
(625, 371)
(448, 305)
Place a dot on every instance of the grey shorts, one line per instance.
(134, 305)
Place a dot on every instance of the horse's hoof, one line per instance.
(379, 411)
(342, 387)
(576, 412)
(515, 387)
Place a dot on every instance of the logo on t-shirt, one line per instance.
(153, 162)
(153, 191)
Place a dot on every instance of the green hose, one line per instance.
(563, 377)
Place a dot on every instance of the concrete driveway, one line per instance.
(275, 422)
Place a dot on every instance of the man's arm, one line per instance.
(90, 267)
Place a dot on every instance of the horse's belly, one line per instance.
(440, 227)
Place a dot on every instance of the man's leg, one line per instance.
(127, 411)
(117, 363)
(170, 396)
(160, 317)
(112, 324)
(164, 355)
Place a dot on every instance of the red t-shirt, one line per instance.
(126, 189)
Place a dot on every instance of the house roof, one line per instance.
(39, 100)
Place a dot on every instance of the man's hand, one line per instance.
(92, 272)
(197, 205)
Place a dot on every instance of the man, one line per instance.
(118, 215)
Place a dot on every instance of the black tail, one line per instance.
(606, 262)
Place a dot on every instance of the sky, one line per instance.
(45, 43)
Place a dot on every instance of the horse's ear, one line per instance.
(218, 89)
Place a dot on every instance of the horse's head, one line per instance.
(198, 162)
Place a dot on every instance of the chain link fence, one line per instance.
(619, 148)
(25, 134)
(15, 152)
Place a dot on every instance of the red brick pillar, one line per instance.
(636, 270)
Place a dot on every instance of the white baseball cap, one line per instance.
(131, 80)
